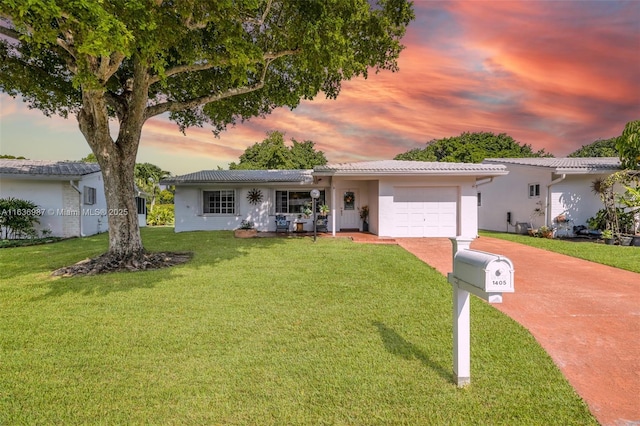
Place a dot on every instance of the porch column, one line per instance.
(333, 208)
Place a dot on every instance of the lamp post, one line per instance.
(315, 194)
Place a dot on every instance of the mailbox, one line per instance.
(489, 272)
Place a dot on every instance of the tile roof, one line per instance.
(241, 176)
(47, 168)
(409, 167)
(564, 165)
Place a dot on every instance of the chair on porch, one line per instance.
(321, 224)
(282, 224)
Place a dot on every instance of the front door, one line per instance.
(349, 210)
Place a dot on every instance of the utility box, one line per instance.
(523, 228)
(491, 273)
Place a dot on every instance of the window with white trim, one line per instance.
(89, 195)
(220, 201)
(296, 201)
(141, 205)
(534, 190)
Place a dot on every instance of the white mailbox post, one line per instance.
(486, 275)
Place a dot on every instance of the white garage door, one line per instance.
(425, 211)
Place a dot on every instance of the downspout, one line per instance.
(547, 210)
(479, 183)
(73, 185)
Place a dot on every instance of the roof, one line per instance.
(241, 176)
(578, 165)
(43, 168)
(403, 167)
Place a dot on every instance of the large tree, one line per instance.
(194, 61)
(471, 148)
(628, 145)
(599, 148)
(273, 154)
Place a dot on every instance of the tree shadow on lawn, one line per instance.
(397, 345)
(203, 256)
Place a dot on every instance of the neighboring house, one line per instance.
(70, 194)
(405, 198)
(538, 191)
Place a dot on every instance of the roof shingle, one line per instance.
(241, 176)
(410, 167)
(47, 168)
(570, 165)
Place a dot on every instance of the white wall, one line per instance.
(94, 218)
(574, 198)
(62, 204)
(189, 212)
(46, 194)
(510, 193)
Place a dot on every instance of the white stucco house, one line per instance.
(405, 198)
(538, 191)
(70, 194)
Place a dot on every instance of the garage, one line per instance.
(425, 211)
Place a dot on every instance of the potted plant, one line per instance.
(306, 210)
(545, 232)
(324, 210)
(607, 236)
(364, 214)
(246, 230)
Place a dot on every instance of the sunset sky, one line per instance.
(553, 74)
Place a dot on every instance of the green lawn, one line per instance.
(259, 331)
(623, 257)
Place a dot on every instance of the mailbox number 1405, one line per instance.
(500, 282)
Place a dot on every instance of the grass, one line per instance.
(623, 257)
(259, 331)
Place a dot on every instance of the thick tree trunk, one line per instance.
(117, 162)
(124, 231)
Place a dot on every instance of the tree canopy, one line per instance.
(599, 148)
(90, 158)
(216, 62)
(273, 154)
(628, 145)
(471, 148)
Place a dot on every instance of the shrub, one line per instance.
(161, 214)
(18, 218)
(625, 220)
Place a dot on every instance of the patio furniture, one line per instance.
(299, 223)
(282, 224)
(321, 224)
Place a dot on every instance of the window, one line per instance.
(89, 195)
(296, 201)
(141, 205)
(534, 190)
(479, 199)
(219, 202)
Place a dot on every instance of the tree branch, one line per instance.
(260, 21)
(268, 57)
(174, 106)
(8, 32)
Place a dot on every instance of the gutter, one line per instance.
(479, 183)
(73, 185)
(547, 210)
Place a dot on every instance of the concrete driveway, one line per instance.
(585, 315)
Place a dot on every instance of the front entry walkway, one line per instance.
(585, 315)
